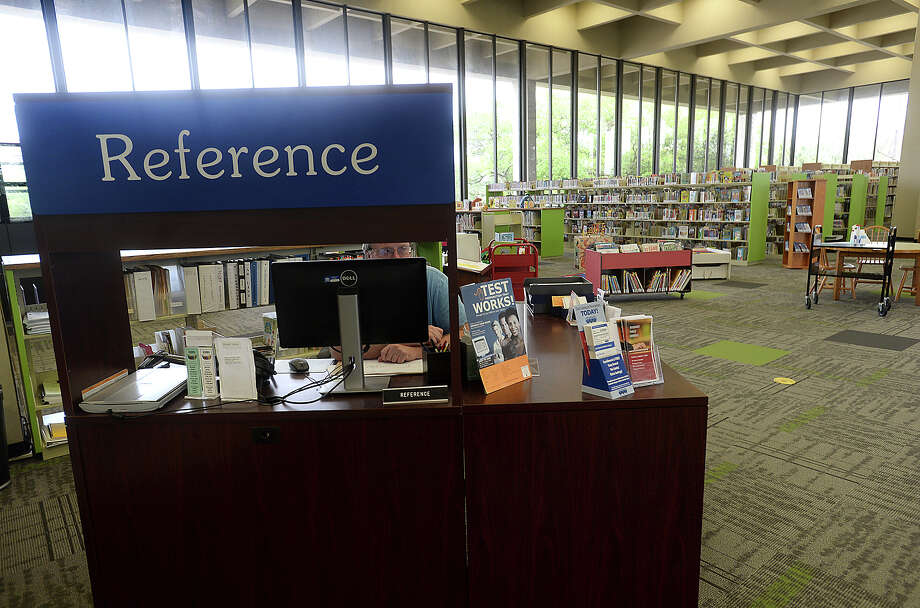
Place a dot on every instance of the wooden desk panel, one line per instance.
(340, 512)
(575, 500)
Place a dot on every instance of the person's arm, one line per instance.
(400, 353)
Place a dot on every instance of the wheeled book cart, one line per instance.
(879, 250)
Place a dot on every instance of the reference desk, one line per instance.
(574, 500)
(346, 504)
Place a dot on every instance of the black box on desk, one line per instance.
(539, 293)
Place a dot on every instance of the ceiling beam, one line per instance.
(673, 13)
(706, 20)
(532, 8)
(899, 23)
(591, 14)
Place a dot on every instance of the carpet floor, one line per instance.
(812, 488)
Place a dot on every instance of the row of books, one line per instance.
(467, 221)
(158, 291)
(636, 247)
(709, 214)
(798, 247)
(661, 281)
(671, 196)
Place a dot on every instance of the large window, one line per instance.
(742, 129)
(443, 66)
(833, 126)
(765, 158)
(409, 52)
(715, 102)
(507, 98)
(608, 116)
(587, 114)
(22, 36)
(274, 58)
(700, 124)
(730, 124)
(94, 45)
(629, 132)
(365, 48)
(222, 44)
(683, 122)
(779, 130)
(325, 55)
(807, 122)
(863, 119)
(156, 37)
(754, 138)
(480, 114)
(561, 110)
(537, 108)
(647, 131)
(892, 114)
(667, 129)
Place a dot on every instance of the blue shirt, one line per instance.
(438, 304)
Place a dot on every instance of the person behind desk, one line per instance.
(438, 309)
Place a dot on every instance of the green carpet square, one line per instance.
(699, 294)
(741, 352)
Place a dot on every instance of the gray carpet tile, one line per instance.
(811, 495)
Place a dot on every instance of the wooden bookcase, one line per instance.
(644, 263)
(816, 208)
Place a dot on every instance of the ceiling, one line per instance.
(825, 41)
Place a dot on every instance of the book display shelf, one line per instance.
(469, 220)
(541, 202)
(804, 211)
(645, 272)
(726, 210)
(35, 352)
(890, 171)
(877, 190)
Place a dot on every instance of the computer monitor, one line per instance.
(351, 303)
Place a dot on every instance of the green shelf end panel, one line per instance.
(881, 200)
(858, 192)
(432, 252)
(24, 367)
(830, 199)
(552, 229)
(757, 229)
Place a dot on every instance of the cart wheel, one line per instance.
(887, 303)
(815, 297)
(808, 302)
(882, 311)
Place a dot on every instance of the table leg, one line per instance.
(916, 280)
(838, 267)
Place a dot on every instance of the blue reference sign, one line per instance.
(239, 149)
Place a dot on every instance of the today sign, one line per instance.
(247, 149)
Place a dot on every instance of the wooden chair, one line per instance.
(825, 266)
(908, 270)
(876, 234)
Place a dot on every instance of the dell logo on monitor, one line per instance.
(349, 278)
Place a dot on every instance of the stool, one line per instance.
(901, 287)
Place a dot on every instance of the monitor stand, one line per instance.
(352, 349)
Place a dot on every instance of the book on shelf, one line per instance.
(803, 210)
(670, 246)
(803, 227)
(610, 284)
(629, 248)
(53, 429)
(680, 280)
(799, 247)
(650, 247)
(804, 193)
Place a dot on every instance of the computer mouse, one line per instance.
(299, 365)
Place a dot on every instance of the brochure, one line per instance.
(495, 330)
(636, 341)
(604, 373)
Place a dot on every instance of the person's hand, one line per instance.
(400, 353)
(435, 334)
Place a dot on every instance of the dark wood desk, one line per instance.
(574, 500)
(354, 505)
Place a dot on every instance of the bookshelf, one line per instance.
(890, 171)
(541, 202)
(877, 190)
(35, 354)
(501, 220)
(673, 269)
(725, 210)
(804, 211)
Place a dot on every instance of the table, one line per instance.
(351, 504)
(902, 250)
(575, 500)
(466, 276)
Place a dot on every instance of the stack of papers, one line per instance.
(53, 430)
(37, 323)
